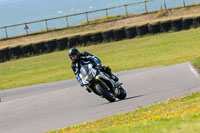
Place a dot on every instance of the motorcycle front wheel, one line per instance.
(122, 94)
(104, 91)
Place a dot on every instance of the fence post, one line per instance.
(145, 5)
(67, 21)
(86, 13)
(165, 4)
(184, 3)
(26, 28)
(107, 14)
(46, 24)
(126, 10)
(6, 32)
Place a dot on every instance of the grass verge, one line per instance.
(140, 52)
(196, 63)
(173, 116)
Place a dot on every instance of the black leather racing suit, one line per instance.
(86, 58)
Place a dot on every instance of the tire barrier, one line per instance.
(97, 37)
(119, 34)
(142, 29)
(1, 57)
(176, 24)
(165, 26)
(154, 28)
(5, 54)
(28, 50)
(196, 21)
(51, 45)
(114, 34)
(108, 35)
(85, 39)
(131, 32)
(15, 52)
(187, 23)
(40, 48)
(74, 41)
(62, 43)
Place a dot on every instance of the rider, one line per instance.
(85, 58)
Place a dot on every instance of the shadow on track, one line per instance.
(128, 98)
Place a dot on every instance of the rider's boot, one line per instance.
(88, 90)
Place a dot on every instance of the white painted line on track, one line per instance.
(196, 74)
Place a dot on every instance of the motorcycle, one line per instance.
(101, 83)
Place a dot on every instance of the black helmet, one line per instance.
(74, 54)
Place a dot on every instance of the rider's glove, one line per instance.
(82, 85)
(98, 67)
(107, 69)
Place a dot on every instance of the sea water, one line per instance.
(22, 11)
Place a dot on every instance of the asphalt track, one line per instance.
(45, 107)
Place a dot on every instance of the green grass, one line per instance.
(196, 63)
(173, 116)
(151, 50)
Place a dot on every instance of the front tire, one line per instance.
(122, 94)
(104, 91)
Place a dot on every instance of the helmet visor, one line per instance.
(74, 57)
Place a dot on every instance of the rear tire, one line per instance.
(103, 90)
(122, 94)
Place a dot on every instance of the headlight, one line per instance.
(97, 77)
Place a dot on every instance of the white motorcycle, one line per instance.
(101, 83)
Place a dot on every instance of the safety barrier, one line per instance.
(165, 26)
(62, 43)
(85, 39)
(98, 37)
(187, 23)
(108, 35)
(73, 41)
(176, 24)
(154, 28)
(195, 21)
(119, 34)
(131, 32)
(142, 29)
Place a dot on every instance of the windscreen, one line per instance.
(84, 70)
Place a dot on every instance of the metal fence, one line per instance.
(85, 17)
